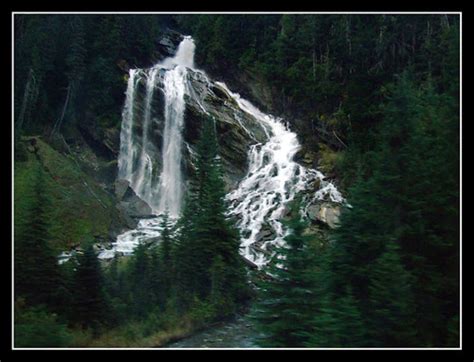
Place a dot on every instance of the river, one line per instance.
(238, 333)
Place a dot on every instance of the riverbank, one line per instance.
(236, 333)
(171, 331)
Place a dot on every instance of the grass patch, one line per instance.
(80, 207)
(146, 333)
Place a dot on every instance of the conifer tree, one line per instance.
(184, 253)
(159, 286)
(204, 231)
(140, 281)
(37, 274)
(390, 320)
(286, 302)
(336, 320)
(89, 307)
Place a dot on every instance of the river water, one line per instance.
(238, 333)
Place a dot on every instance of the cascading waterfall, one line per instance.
(273, 180)
(261, 199)
(161, 192)
(136, 151)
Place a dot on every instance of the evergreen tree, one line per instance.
(287, 297)
(390, 322)
(117, 292)
(38, 327)
(184, 254)
(37, 274)
(139, 274)
(206, 238)
(89, 307)
(336, 321)
(159, 280)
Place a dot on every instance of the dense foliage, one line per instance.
(68, 68)
(194, 270)
(391, 271)
(328, 73)
(287, 294)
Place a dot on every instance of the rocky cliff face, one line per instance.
(236, 130)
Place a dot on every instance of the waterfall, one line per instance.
(142, 181)
(273, 180)
(136, 160)
(261, 199)
(127, 149)
(136, 164)
(170, 187)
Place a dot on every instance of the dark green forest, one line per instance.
(375, 97)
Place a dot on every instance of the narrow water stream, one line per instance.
(238, 333)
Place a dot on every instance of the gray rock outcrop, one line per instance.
(326, 213)
(129, 202)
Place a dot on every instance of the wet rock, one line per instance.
(121, 186)
(266, 233)
(326, 213)
(130, 204)
(286, 213)
(236, 130)
(168, 44)
(136, 207)
(308, 158)
(108, 173)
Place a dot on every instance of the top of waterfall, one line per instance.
(184, 55)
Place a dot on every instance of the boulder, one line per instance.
(236, 130)
(121, 187)
(326, 213)
(309, 158)
(136, 207)
(131, 204)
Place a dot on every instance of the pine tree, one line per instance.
(336, 321)
(204, 231)
(390, 319)
(158, 283)
(140, 270)
(37, 274)
(286, 301)
(89, 307)
(184, 254)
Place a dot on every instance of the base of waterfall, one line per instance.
(147, 232)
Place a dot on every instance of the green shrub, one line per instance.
(36, 327)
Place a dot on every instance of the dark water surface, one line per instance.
(238, 333)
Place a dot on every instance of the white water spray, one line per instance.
(273, 180)
(126, 156)
(170, 189)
